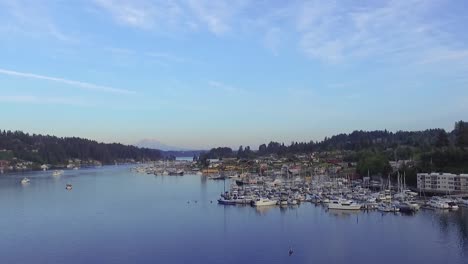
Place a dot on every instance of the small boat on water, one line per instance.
(25, 181)
(388, 208)
(462, 202)
(438, 203)
(57, 173)
(452, 204)
(264, 202)
(69, 186)
(176, 173)
(227, 201)
(343, 204)
(217, 177)
(408, 206)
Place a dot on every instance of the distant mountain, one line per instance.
(152, 143)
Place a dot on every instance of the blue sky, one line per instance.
(201, 73)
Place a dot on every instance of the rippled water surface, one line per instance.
(113, 215)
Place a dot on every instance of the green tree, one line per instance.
(461, 134)
(442, 139)
(374, 163)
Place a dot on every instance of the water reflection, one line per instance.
(263, 210)
(454, 221)
(343, 213)
(137, 218)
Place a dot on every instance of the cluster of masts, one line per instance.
(333, 193)
(173, 168)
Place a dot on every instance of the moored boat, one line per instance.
(57, 172)
(226, 201)
(408, 207)
(342, 204)
(25, 181)
(264, 202)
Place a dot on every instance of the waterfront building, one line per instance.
(442, 182)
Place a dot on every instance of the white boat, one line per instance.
(68, 187)
(438, 204)
(292, 202)
(451, 203)
(243, 199)
(343, 204)
(25, 181)
(57, 172)
(263, 202)
(408, 206)
(385, 207)
(462, 202)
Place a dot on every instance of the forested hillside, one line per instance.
(45, 149)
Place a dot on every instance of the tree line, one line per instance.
(431, 149)
(45, 149)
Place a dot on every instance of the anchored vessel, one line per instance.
(342, 204)
(25, 181)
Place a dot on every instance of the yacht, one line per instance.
(243, 199)
(408, 206)
(263, 202)
(225, 201)
(451, 203)
(462, 202)
(25, 181)
(342, 204)
(438, 203)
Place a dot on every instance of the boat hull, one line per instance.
(344, 207)
(226, 202)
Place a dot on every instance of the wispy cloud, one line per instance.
(32, 19)
(192, 15)
(214, 14)
(79, 84)
(333, 31)
(143, 14)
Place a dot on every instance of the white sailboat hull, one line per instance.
(344, 207)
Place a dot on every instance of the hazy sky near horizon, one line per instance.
(202, 73)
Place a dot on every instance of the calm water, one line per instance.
(115, 216)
